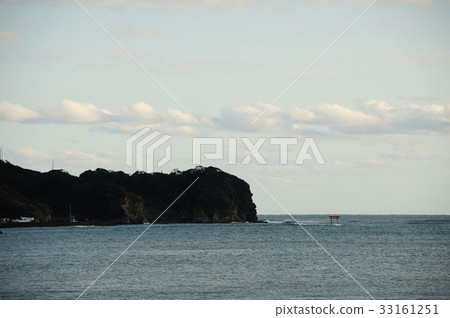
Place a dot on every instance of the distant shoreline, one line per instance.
(56, 224)
(100, 223)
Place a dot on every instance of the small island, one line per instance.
(103, 197)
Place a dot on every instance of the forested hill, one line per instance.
(117, 198)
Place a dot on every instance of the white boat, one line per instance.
(23, 219)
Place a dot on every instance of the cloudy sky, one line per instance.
(376, 102)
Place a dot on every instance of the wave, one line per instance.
(301, 222)
(429, 221)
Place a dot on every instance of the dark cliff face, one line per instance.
(216, 196)
(103, 195)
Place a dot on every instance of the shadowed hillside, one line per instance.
(116, 197)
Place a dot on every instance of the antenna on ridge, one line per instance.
(53, 164)
(1, 152)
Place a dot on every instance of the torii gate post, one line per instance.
(334, 217)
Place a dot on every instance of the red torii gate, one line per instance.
(334, 217)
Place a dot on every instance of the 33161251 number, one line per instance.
(408, 309)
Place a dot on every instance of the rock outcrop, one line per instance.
(118, 198)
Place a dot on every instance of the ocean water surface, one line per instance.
(391, 256)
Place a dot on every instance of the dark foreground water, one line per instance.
(393, 257)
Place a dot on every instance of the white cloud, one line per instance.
(340, 116)
(275, 119)
(411, 117)
(30, 154)
(183, 131)
(182, 118)
(303, 115)
(75, 112)
(132, 118)
(241, 118)
(373, 117)
(179, 117)
(140, 112)
(205, 121)
(8, 37)
(16, 112)
(378, 108)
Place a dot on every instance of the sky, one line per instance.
(78, 79)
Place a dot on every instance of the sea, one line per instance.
(365, 256)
